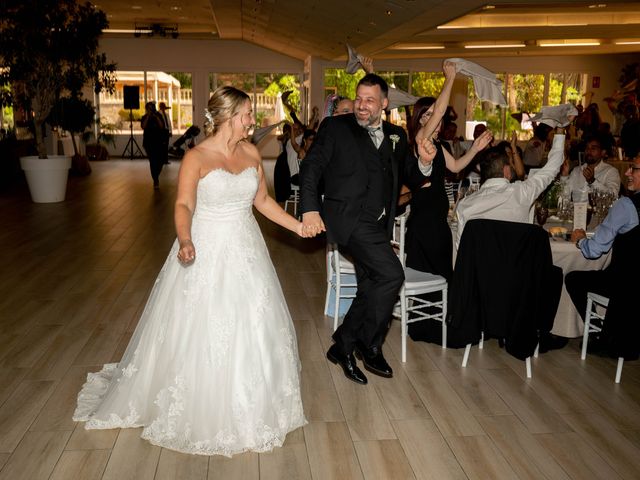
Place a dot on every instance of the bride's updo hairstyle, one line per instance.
(224, 103)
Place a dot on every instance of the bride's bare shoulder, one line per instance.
(250, 150)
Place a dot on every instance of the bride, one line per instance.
(212, 367)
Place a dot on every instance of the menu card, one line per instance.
(580, 215)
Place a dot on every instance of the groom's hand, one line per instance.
(312, 224)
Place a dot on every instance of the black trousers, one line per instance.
(579, 283)
(380, 277)
(156, 160)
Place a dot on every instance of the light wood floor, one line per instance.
(74, 277)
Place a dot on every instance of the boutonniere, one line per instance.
(394, 139)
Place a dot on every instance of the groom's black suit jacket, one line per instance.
(339, 156)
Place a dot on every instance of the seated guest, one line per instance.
(594, 173)
(498, 198)
(620, 233)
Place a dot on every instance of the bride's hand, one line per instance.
(187, 252)
(303, 232)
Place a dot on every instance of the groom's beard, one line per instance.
(370, 120)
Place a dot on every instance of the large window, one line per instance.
(337, 81)
(565, 87)
(426, 84)
(265, 90)
(172, 88)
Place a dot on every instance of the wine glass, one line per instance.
(542, 213)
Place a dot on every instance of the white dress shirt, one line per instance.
(498, 199)
(607, 178)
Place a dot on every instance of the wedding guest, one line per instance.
(428, 245)
(534, 151)
(343, 106)
(168, 128)
(594, 173)
(498, 198)
(428, 240)
(154, 141)
(620, 233)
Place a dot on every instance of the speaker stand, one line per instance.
(132, 146)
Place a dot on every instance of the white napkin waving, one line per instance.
(487, 86)
(556, 116)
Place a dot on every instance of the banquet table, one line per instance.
(566, 256)
(568, 322)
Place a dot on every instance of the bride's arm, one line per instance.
(268, 207)
(186, 203)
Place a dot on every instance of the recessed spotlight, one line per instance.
(136, 7)
(388, 12)
(176, 8)
(598, 5)
(488, 7)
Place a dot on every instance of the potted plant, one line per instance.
(73, 115)
(97, 146)
(50, 49)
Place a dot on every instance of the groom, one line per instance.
(363, 162)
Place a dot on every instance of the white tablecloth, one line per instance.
(566, 256)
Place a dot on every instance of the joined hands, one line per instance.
(311, 225)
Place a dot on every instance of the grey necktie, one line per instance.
(376, 134)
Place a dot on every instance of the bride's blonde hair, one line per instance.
(225, 102)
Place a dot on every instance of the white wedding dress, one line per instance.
(212, 367)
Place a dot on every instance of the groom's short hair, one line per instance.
(371, 80)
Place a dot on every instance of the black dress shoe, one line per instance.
(348, 364)
(373, 360)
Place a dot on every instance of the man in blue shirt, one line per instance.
(620, 232)
(622, 217)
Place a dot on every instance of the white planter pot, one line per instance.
(47, 177)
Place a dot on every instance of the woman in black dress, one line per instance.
(429, 246)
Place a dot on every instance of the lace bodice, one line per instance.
(223, 194)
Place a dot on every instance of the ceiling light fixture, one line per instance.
(496, 45)
(388, 12)
(629, 42)
(569, 43)
(450, 27)
(415, 46)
